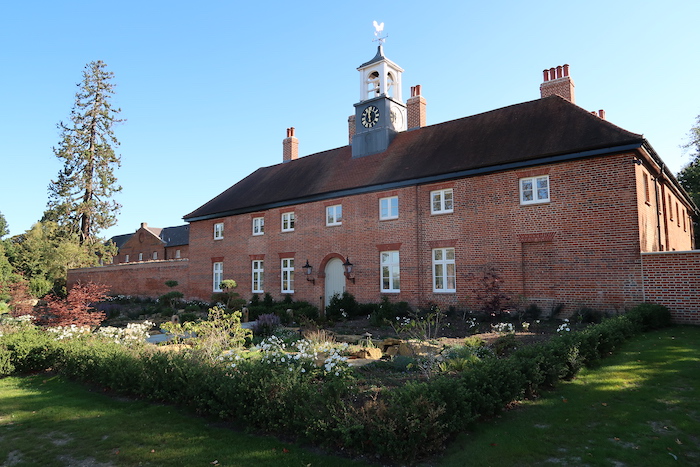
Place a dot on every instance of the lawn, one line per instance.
(47, 421)
(640, 407)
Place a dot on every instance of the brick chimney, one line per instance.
(351, 128)
(415, 107)
(557, 81)
(290, 146)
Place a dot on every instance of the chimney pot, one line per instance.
(415, 108)
(601, 114)
(557, 81)
(144, 225)
(290, 146)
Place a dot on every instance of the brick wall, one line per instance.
(672, 279)
(665, 222)
(591, 224)
(146, 279)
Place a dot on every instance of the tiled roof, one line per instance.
(500, 139)
(175, 236)
(171, 236)
(120, 240)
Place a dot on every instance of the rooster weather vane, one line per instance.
(378, 29)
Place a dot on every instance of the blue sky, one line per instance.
(208, 88)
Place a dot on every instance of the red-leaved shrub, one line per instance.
(77, 307)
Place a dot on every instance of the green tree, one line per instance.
(80, 199)
(689, 176)
(44, 254)
(4, 228)
(5, 267)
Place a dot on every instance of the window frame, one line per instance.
(155, 255)
(535, 190)
(337, 220)
(259, 225)
(287, 275)
(216, 287)
(219, 231)
(685, 229)
(126, 258)
(393, 269)
(177, 254)
(647, 195)
(389, 208)
(140, 256)
(288, 220)
(257, 269)
(441, 198)
(444, 264)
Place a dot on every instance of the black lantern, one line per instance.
(348, 269)
(308, 269)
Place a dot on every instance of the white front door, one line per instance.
(335, 279)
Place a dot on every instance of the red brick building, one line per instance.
(555, 199)
(152, 244)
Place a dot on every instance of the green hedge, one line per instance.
(404, 424)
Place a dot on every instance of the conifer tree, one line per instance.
(80, 199)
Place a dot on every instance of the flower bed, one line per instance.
(284, 387)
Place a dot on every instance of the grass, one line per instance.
(48, 421)
(641, 407)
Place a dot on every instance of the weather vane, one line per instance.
(378, 29)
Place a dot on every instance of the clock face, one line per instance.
(370, 116)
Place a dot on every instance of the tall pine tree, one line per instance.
(80, 199)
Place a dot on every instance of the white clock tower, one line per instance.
(381, 112)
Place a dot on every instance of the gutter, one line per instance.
(422, 180)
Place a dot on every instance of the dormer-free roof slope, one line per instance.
(524, 134)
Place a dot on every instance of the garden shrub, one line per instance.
(342, 306)
(6, 366)
(539, 366)
(384, 312)
(171, 299)
(505, 345)
(266, 325)
(304, 311)
(30, 349)
(532, 312)
(403, 424)
(650, 316)
(587, 315)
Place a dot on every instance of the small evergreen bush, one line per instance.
(342, 306)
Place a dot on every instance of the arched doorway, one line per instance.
(335, 279)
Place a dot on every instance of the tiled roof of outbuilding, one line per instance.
(496, 140)
(120, 240)
(176, 236)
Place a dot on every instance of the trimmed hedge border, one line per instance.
(404, 424)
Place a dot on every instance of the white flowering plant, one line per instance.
(307, 357)
(503, 328)
(133, 334)
(564, 327)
